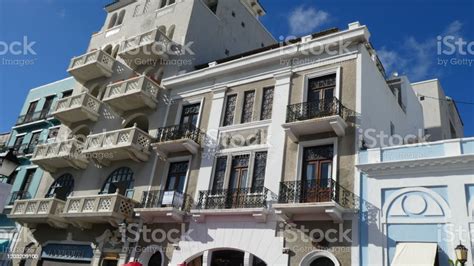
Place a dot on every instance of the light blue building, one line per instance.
(417, 203)
(34, 125)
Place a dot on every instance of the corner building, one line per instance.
(244, 155)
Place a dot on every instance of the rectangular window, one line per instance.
(230, 110)
(147, 6)
(247, 110)
(267, 104)
(53, 133)
(177, 176)
(25, 186)
(47, 106)
(219, 174)
(67, 93)
(33, 142)
(163, 3)
(239, 174)
(321, 88)
(190, 115)
(18, 142)
(30, 113)
(11, 179)
(317, 173)
(260, 165)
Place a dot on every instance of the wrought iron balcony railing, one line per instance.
(316, 109)
(233, 198)
(317, 192)
(179, 132)
(19, 195)
(32, 117)
(162, 199)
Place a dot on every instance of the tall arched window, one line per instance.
(113, 21)
(171, 32)
(120, 18)
(62, 187)
(120, 180)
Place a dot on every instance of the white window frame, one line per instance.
(315, 143)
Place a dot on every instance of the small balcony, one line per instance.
(161, 206)
(310, 118)
(77, 108)
(39, 211)
(178, 138)
(83, 211)
(129, 143)
(132, 94)
(32, 117)
(95, 64)
(145, 48)
(57, 155)
(300, 200)
(233, 202)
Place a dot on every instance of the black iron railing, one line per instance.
(23, 149)
(312, 191)
(233, 198)
(316, 109)
(31, 117)
(19, 195)
(179, 132)
(162, 198)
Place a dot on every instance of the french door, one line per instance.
(238, 181)
(320, 94)
(317, 174)
(189, 116)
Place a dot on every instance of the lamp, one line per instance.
(461, 253)
(8, 163)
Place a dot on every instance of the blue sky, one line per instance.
(404, 33)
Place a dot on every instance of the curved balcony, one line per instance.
(161, 206)
(95, 64)
(230, 202)
(300, 200)
(145, 48)
(132, 94)
(83, 211)
(178, 138)
(39, 211)
(310, 118)
(57, 155)
(129, 143)
(77, 108)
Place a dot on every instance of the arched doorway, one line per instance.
(319, 258)
(121, 181)
(141, 121)
(156, 259)
(322, 261)
(226, 257)
(62, 187)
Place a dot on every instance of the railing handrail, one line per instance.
(300, 191)
(35, 116)
(110, 60)
(325, 107)
(158, 35)
(117, 131)
(132, 79)
(177, 132)
(154, 199)
(233, 198)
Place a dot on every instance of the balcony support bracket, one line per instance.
(335, 214)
